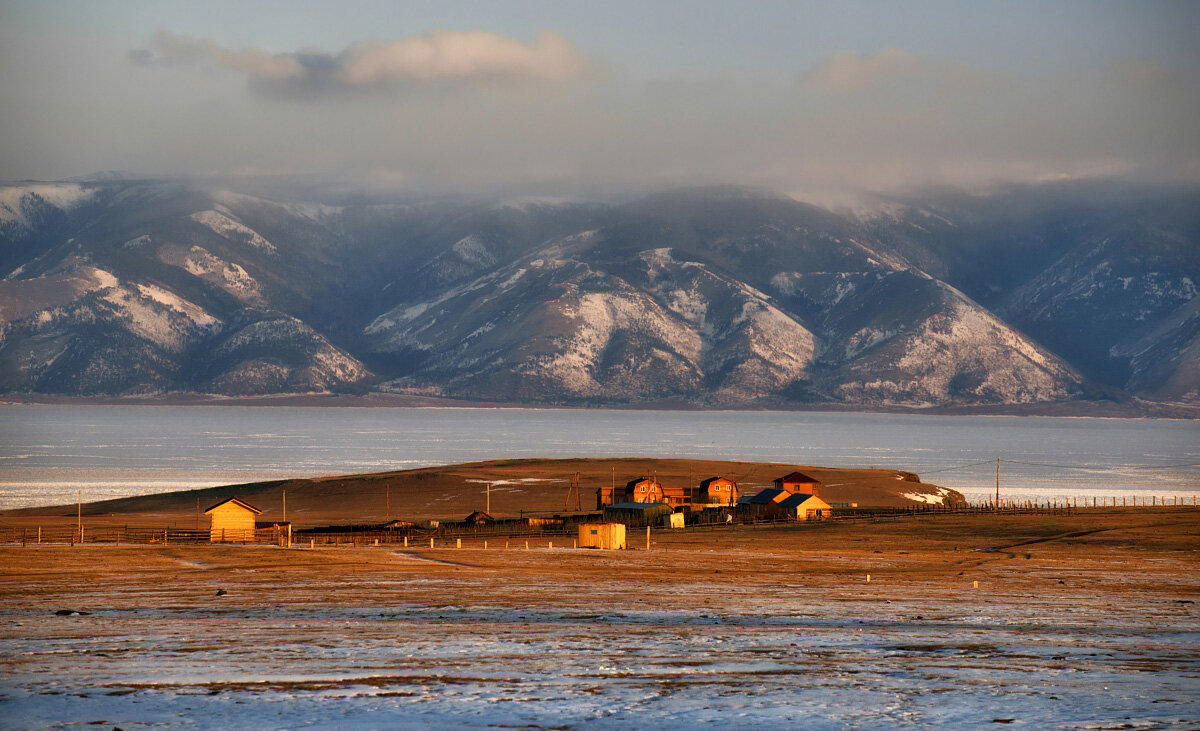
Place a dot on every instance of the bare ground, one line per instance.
(1079, 621)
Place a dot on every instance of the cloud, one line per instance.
(437, 57)
(452, 56)
(847, 72)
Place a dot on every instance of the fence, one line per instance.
(71, 535)
(452, 534)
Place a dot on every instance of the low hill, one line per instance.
(519, 486)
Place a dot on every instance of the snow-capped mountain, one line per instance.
(716, 297)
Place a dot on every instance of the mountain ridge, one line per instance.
(712, 297)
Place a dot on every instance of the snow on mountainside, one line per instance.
(232, 230)
(714, 297)
(22, 206)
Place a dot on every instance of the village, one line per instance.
(643, 502)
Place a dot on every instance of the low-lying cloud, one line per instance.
(847, 72)
(437, 57)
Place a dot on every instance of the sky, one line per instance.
(816, 99)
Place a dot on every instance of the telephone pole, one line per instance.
(488, 500)
(387, 502)
(997, 482)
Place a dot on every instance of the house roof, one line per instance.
(795, 500)
(633, 483)
(479, 517)
(239, 503)
(797, 477)
(638, 506)
(768, 496)
(711, 480)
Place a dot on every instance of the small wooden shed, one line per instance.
(232, 520)
(602, 535)
(674, 520)
(479, 518)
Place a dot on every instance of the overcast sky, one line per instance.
(542, 97)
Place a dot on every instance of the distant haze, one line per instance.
(820, 100)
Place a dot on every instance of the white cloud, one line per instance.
(454, 56)
(435, 57)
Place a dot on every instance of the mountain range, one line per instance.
(717, 297)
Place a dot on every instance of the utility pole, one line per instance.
(197, 512)
(79, 513)
(488, 500)
(997, 482)
(574, 488)
(387, 502)
(285, 505)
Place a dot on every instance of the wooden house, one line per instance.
(774, 503)
(805, 507)
(602, 535)
(644, 490)
(676, 496)
(232, 520)
(717, 491)
(798, 482)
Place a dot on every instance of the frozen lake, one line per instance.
(49, 453)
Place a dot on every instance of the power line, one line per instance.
(959, 467)
(1100, 467)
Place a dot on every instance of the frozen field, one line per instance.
(1077, 627)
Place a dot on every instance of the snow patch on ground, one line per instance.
(232, 230)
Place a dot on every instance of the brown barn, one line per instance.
(718, 491)
(798, 482)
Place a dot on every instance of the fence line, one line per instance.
(418, 537)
